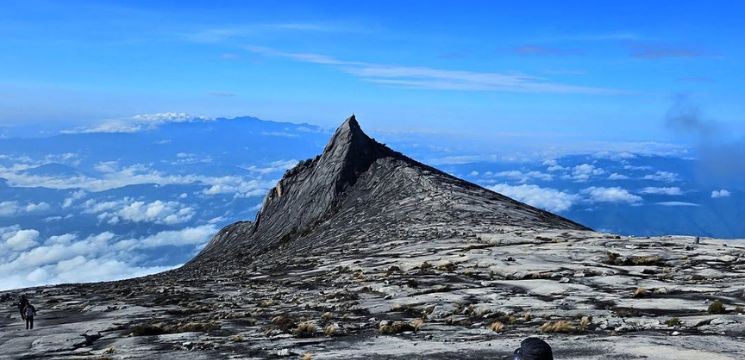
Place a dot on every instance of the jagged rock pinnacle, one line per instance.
(356, 179)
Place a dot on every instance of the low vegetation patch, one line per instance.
(395, 327)
(717, 308)
(640, 292)
(497, 327)
(283, 323)
(561, 326)
(162, 328)
(305, 329)
(418, 324)
(330, 330)
(674, 322)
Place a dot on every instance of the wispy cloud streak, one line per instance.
(420, 77)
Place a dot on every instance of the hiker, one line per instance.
(22, 303)
(534, 349)
(30, 311)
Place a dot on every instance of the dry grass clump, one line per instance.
(497, 327)
(640, 292)
(307, 356)
(643, 260)
(305, 329)
(561, 326)
(327, 316)
(638, 260)
(330, 330)
(447, 266)
(236, 338)
(266, 303)
(739, 309)
(418, 324)
(527, 316)
(109, 350)
(282, 322)
(717, 308)
(395, 327)
(585, 322)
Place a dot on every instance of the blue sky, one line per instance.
(569, 73)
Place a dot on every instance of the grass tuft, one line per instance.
(561, 326)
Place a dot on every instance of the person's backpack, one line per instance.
(30, 311)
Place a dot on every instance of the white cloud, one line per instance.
(553, 165)
(524, 176)
(610, 195)
(672, 191)
(74, 196)
(128, 209)
(717, 194)
(138, 174)
(137, 123)
(584, 172)
(273, 167)
(617, 176)
(544, 198)
(663, 176)
(13, 208)
(32, 207)
(189, 158)
(17, 239)
(107, 166)
(677, 203)
(100, 257)
(189, 236)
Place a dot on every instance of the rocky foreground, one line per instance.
(363, 253)
(450, 291)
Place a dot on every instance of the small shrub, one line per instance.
(561, 326)
(327, 316)
(497, 327)
(307, 356)
(109, 350)
(673, 322)
(717, 308)
(585, 322)
(305, 329)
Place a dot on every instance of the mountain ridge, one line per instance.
(313, 192)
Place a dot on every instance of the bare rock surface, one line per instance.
(364, 253)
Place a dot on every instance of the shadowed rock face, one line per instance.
(357, 177)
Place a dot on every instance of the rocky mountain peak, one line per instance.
(357, 180)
